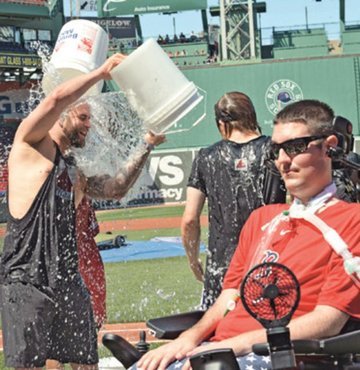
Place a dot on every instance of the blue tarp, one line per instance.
(142, 250)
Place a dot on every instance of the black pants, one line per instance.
(38, 326)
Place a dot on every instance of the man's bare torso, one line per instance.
(29, 167)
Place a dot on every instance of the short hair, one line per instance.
(236, 110)
(318, 116)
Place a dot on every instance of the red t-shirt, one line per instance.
(301, 247)
(91, 266)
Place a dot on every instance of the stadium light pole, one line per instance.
(342, 15)
(223, 30)
(251, 28)
(77, 4)
(174, 25)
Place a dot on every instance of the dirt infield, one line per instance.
(145, 224)
(137, 224)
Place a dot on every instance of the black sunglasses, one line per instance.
(293, 147)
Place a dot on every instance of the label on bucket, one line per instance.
(84, 40)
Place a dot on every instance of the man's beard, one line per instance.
(75, 140)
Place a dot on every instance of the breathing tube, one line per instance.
(337, 243)
(307, 212)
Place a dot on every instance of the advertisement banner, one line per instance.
(163, 180)
(131, 7)
(13, 104)
(119, 28)
(19, 61)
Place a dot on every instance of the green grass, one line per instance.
(139, 290)
(136, 213)
(145, 212)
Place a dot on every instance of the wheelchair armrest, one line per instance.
(170, 327)
(121, 349)
(342, 344)
(300, 346)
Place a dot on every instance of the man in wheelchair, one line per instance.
(317, 238)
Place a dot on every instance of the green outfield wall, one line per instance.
(272, 85)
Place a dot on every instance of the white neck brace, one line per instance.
(297, 208)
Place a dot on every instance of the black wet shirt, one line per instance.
(40, 248)
(233, 177)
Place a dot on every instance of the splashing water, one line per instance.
(54, 78)
(116, 131)
(115, 136)
(36, 93)
(163, 295)
(42, 50)
(267, 238)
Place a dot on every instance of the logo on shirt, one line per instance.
(270, 256)
(63, 194)
(284, 231)
(241, 164)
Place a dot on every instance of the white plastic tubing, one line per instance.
(351, 263)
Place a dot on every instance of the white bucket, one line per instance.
(81, 47)
(155, 87)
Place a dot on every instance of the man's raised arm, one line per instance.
(106, 187)
(36, 126)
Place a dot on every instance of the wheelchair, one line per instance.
(266, 283)
(341, 352)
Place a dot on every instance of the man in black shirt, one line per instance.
(234, 177)
(46, 309)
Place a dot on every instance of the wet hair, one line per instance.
(236, 110)
(317, 115)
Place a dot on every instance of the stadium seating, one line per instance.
(12, 47)
(351, 40)
(300, 43)
(183, 54)
(187, 54)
